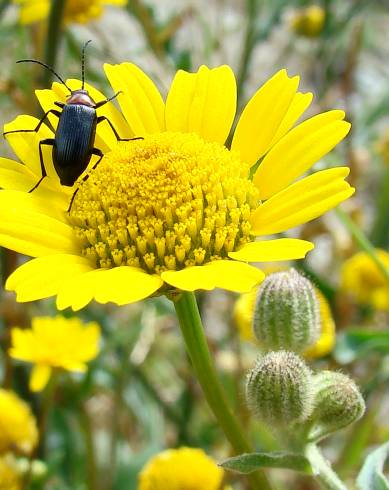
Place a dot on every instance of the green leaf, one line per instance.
(247, 463)
(372, 475)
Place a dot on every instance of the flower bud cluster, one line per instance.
(281, 389)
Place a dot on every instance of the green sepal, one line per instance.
(249, 462)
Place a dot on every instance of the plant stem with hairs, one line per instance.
(197, 347)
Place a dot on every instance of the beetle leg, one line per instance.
(104, 118)
(60, 104)
(51, 111)
(48, 141)
(100, 154)
(103, 102)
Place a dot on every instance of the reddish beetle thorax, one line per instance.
(81, 97)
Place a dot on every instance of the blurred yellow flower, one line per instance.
(18, 428)
(308, 21)
(176, 210)
(181, 469)
(361, 278)
(55, 343)
(76, 11)
(10, 478)
(243, 316)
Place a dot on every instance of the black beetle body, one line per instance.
(74, 141)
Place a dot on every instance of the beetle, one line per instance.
(73, 142)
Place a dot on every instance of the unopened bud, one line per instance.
(338, 403)
(287, 313)
(279, 388)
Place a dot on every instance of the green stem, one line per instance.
(252, 8)
(323, 472)
(54, 33)
(380, 232)
(3, 5)
(362, 240)
(196, 345)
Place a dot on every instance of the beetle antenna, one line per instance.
(48, 67)
(83, 63)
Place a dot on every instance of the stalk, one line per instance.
(197, 348)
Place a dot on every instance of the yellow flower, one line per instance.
(18, 428)
(243, 316)
(362, 279)
(10, 478)
(176, 210)
(308, 21)
(76, 11)
(55, 343)
(181, 469)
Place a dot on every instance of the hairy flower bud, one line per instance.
(279, 388)
(287, 313)
(338, 402)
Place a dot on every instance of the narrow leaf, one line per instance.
(247, 463)
(372, 475)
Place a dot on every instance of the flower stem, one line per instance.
(53, 37)
(196, 345)
(362, 240)
(323, 473)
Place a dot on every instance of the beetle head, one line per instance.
(81, 97)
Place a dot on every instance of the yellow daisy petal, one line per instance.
(40, 376)
(202, 103)
(120, 285)
(296, 152)
(25, 229)
(17, 177)
(119, 3)
(301, 202)
(26, 145)
(298, 106)
(141, 102)
(262, 117)
(273, 250)
(42, 277)
(78, 367)
(226, 274)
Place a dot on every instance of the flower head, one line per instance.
(18, 428)
(76, 11)
(309, 21)
(361, 278)
(55, 343)
(10, 478)
(175, 210)
(181, 469)
(244, 311)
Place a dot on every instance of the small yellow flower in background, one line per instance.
(308, 21)
(76, 11)
(53, 343)
(177, 209)
(243, 316)
(10, 478)
(18, 429)
(361, 278)
(181, 469)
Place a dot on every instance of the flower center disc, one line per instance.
(169, 201)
